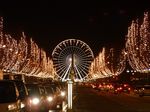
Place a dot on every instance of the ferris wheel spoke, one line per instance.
(61, 71)
(67, 72)
(78, 72)
(60, 67)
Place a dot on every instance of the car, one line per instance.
(23, 94)
(9, 97)
(59, 91)
(50, 98)
(122, 88)
(62, 95)
(35, 98)
(144, 91)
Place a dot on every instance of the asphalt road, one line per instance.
(90, 100)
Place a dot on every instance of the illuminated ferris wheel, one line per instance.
(62, 57)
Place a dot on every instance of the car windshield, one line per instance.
(7, 92)
(33, 89)
(21, 88)
(54, 87)
(49, 90)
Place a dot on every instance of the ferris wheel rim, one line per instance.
(63, 52)
(70, 40)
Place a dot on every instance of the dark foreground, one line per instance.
(90, 100)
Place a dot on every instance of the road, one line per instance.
(89, 100)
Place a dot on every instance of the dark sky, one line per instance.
(97, 22)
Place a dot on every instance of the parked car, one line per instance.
(23, 94)
(9, 97)
(35, 98)
(144, 91)
(50, 98)
(61, 95)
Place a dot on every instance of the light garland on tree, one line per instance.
(22, 53)
(21, 57)
(108, 63)
(11, 53)
(138, 44)
(116, 62)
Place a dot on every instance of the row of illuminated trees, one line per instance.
(111, 62)
(23, 56)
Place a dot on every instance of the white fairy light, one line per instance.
(138, 44)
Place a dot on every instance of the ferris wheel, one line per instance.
(62, 57)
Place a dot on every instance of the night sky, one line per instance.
(97, 22)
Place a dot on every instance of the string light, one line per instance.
(23, 57)
(108, 63)
(138, 44)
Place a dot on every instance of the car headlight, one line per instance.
(63, 93)
(12, 107)
(49, 98)
(35, 101)
(22, 105)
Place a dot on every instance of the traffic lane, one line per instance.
(132, 101)
(90, 100)
(87, 100)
